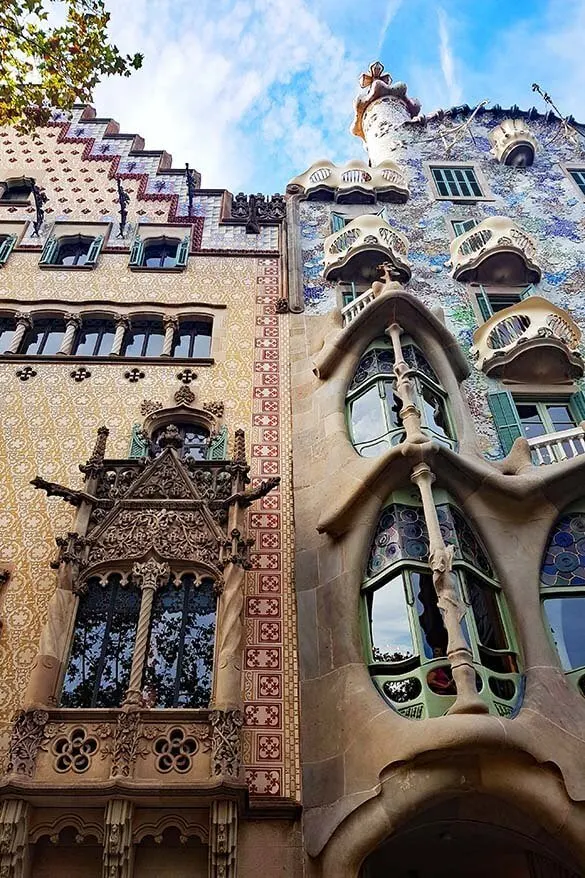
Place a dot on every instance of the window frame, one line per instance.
(453, 233)
(569, 171)
(542, 403)
(25, 343)
(86, 322)
(481, 295)
(403, 569)
(6, 188)
(185, 320)
(482, 183)
(135, 322)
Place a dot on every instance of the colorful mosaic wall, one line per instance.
(541, 199)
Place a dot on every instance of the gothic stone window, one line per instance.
(16, 190)
(562, 581)
(95, 338)
(73, 250)
(179, 658)
(373, 408)
(193, 339)
(44, 338)
(405, 636)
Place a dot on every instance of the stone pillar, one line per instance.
(23, 322)
(409, 412)
(223, 839)
(118, 856)
(53, 650)
(171, 325)
(149, 575)
(14, 818)
(72, 324)
(381, 109)
(122, 324)
(451, 607)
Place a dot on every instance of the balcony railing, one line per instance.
(350, 311)
(504, 345)
(354, 182)
(554, 447)
(495, 251)
(356, 251)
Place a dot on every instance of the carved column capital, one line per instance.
(14, 820)
(118, 852)
(150, 575)
(72, 320)
(223, 839)
(170, 320)
(23, 318)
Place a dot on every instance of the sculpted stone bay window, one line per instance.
(373, 407)
(405, 629)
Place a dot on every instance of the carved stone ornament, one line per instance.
(124, 747)
(27, 737)
(281, 306)
(14, 818)
(117, 856)
(223, 839)
(226, 745)
(215, 408)
(184, 396)
(174, 751)
(148, 406)
(74, 750)
(25, 373)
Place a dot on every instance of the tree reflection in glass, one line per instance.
(566, 617)
(103, 643)
(390, 627)
(179, 661)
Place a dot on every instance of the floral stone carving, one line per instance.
(226, 745)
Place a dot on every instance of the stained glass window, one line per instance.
(179, 662)
(103, 644)
(564, 557)
(407, 635)
(374, 407)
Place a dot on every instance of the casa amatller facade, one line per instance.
(293, 546)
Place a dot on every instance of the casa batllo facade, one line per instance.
(436, 285)
(148, 693)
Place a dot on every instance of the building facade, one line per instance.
(149, 682)
(438, 407)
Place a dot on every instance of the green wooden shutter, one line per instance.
(6, 248)
(338, 222)
(94, 250)
(183, 252)
(217, 449)
(484, 304)
(138, 444)
(49, 251)
(577, 403)
(506, 418)
(137, 252)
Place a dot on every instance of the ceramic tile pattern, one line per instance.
(541, 199)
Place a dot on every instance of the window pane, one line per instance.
(154, 344)
(103, 645)
(389, 623)
(486, 613)
(499, 302)
(7, 327)
(434, 412)
(202, 342)
(194, 339)
(180, 655)
(45, 337)
(95, 337)
(434, 635)
(135, 343)
(531, 420)
(73, 252)
(160, 253)
(560, 416)
(367, 418)
(564, 557)
(566, 617)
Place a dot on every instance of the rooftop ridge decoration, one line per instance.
(496, 110)
(375, 85)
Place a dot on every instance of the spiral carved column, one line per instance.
(149, 576)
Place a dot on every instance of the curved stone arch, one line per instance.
(409, 789)
(164, 417)
(171, 821)
(76, 821)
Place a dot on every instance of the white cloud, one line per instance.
(391, 10)
(454, 90)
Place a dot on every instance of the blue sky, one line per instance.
(251, 92)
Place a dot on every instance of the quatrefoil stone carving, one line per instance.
(175, 751)
(74, 751)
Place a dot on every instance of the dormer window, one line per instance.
(71, 250)
(194, 439)
(16, 190)
(163, 252)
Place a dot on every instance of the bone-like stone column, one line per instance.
(409, 412)
(23, 322)
(149, 576)
(448, 601)
(381, 109)
(72, 324)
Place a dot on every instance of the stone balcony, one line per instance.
(532, 341)
(356, 252)
(352, 183)
(555, 447)
(495, 251)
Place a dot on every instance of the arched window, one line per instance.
(95, 338)
(562, 581)
(180, 654)
(405, 635)
(7, 327)
(44, 338)
(103, 644)
(373, 408)
(16, 189)
(144, 338)
(178, 664)
(195, 440)
(73, 250)
(193, 339)
(160, 252)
